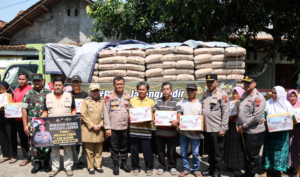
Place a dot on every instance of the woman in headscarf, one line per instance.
(276, 144)
(292, 97)
(234, 154)
(92, 128)
(8, 131)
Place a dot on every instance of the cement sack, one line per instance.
(155, 58)
(162, 79)
(240, 85)
(235, 64)
(229, 71)
(212, 51)
(96, 73)
(96, 67)
(213, 65)
(125, 53)
(154, 72)
(94, 79)
(133, 79)
(130, 67)
(226, 58)
(107, 67)
(233, 51)
(185, 77)
(136, 60)
(200, 79)
(106, 79)
(135, 73)
(238, 78)
(164, 65)
(238, 71)
(163, 51)
(203, 72)
(178, 57)
(107, 53)
(185, 65)
(112, 60)
(239, 58)
(178, 71)
(112, 73)
(184, 50)
(138, 53)
(205, 58)
(222, 77)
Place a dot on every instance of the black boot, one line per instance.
(116, 167)
(37, 167)
(125, 167)
(208, 172)
(47, 167)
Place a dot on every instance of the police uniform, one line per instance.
(251, 118)
(216, 112)
(38, 138)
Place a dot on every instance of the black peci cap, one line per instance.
(211, 77)
(191, 86)
(249, 78)
(76, 78)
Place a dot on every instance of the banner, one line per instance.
(56, 131)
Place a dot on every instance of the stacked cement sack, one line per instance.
(129, 64)
(170, 64)
(228, 63)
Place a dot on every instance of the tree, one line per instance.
(205, 20)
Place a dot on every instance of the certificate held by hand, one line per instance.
(141, 114)
(163, 118)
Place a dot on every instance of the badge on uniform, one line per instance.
(106, 99)
(115, 107)
(225, 99)
(257, 102)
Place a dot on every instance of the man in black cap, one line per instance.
(250, 122)
(78, 151)
(216, 106)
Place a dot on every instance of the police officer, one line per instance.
(216, 112)
(115, 111)
(250, 123)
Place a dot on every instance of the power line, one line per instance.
(14, 4)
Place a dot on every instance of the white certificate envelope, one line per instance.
(297, 115)
(163, 118)
(78, 103)
(234, 107)
(140, 114)
(4, 99)
(191, 123)
(279, 122)
(13, 110)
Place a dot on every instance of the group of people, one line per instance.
(231, 140)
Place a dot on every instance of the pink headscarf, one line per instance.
(239, 90)
(297, 104)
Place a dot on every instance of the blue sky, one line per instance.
(8, 13)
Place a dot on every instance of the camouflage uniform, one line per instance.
(33, 101)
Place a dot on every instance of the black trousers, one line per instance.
(119, 144)
(216, 150)
(147, 152)
(253, 144)
(23, 139)
(161, 143)
(8, 139)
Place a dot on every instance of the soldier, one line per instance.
(216, 112)
(250, 122)
(32, 106)
(116, 105)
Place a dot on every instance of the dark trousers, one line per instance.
(23, 139)
(216, 150)
(8, 139)
(253, 144)
(147, 152)
(119, 144)
(161, 143)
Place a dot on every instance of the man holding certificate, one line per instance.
(164, 108)
(216, 112)
(140, 133)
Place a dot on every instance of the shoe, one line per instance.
(125, 167)
(116, 168)
(208, 172)
(99, 170)
(216, 173)
(91, 172)
(37, 167)
(47, 167)
(80, 165)
(69, 172)
(53, 173)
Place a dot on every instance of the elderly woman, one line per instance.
(292, 97)
(8, 131)
(92, 128)
(234, 154)
(276, 144)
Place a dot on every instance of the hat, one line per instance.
(94, 86)
(37, 76)
(191, 86)
(76, 78)
(211, 77)
(249, 78)
(38, 122)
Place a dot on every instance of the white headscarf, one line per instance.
(281, 105)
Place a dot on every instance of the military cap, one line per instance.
(94, 86)
(249, 78)
(211, 77)
(37, 76)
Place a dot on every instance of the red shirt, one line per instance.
(19, 94)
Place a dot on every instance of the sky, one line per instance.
(9, 13)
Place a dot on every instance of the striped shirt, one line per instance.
(163, 105)
(140, 130)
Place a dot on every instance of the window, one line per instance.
(69, 12)
(76, 12)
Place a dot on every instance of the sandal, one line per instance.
(196, 173)
(13, 160)
(160, 171)
(149, 172)
(182, 174)
(135, 172)
(24, 162)
(173, 171)
(3, 160)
